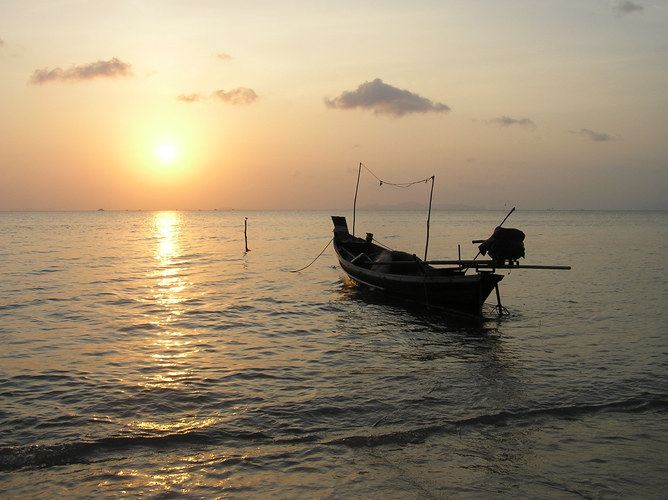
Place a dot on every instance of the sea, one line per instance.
(150, 354)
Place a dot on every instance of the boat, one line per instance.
(406, 275)
(456, 285)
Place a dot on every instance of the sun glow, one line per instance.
(167, 153)
(165, 157)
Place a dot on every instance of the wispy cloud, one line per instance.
(112, 68)
(624, 7)
(594, 136)
(506, 121)
(223, 56)
(237, 97)
(382, 98)
(190, 97)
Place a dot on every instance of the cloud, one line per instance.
(506, 121)
(2, 42)
(624, 7)
(190, 97)
(385, 99)
(594, 136)
(112, 68)
(237, 97)
(223, 56)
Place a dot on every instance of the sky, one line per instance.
(156, 105)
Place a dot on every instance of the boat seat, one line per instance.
(362, 260)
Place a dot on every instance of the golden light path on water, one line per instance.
(169, 293)
(167, 347)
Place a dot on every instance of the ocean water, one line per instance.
(147, 354)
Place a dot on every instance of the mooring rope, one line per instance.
(309, 265)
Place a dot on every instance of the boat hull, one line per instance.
(445, 288)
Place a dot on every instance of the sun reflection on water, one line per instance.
(185, 425)
(171, 282)
(170, 347)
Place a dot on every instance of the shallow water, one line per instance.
(148, 354)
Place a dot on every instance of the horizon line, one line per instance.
(366, 209)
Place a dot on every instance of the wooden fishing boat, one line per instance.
(461, 285)
(408, 276)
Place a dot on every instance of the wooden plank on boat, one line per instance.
(484, 264)
(491, 264)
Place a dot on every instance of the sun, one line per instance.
(167, 153)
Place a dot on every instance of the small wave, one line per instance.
(636, 405)
(418, 435)
(49, 455)
(18, 457)
(123, 302)
(9, 307)
(48, 270)
(308, 438)
(412, 436)
(139, 327)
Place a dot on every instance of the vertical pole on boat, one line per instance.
(359, 172)
(431, 195)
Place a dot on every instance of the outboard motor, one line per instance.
(504, 244)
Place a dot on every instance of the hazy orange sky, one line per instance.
(255, 105)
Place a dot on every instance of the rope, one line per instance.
(399, 185)
(383, 245)
(309, 265)
(395, 184)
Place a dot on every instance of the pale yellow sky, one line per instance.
(228, 104)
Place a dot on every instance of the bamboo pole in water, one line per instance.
(246, 233)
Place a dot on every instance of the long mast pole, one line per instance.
(431, 195)
(506, 218)
(359, 172)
